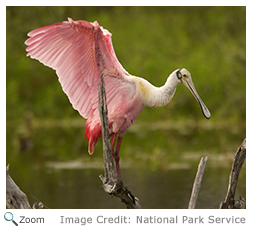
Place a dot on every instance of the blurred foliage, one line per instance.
(149, 42)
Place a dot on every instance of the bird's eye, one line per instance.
(184, 75)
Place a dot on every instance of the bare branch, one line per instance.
(239, 159)
(15, 198)
(112, 183)
(197, 183)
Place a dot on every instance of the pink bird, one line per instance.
(81, 52)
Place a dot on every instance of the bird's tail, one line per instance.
(92, 134)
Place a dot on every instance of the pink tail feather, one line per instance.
(93, 133)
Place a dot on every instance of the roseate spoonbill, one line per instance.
(81, 52)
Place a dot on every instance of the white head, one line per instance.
(183, 76)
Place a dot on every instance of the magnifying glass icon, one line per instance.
(8, 216)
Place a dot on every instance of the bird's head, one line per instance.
(184, 76)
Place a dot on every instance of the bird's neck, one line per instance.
(157, 96)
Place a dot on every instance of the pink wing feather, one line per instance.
(80, 52)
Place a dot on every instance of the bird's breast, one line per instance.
(142, 86)
(144, 90)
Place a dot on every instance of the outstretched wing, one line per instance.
(80, 52)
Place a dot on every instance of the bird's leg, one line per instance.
(115, 152)
(116, 155)
(113, 143)
(115, 158)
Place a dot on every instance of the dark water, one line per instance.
(157, 164)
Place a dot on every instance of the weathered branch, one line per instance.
(15, 198)
(197, 183)
(229, 202)
(112, 183)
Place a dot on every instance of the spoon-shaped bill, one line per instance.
(189, 84)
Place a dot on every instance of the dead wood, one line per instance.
(112, 183)
(229, 202)
(197, 183)
(15, 198)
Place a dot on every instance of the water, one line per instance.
(50, 163)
